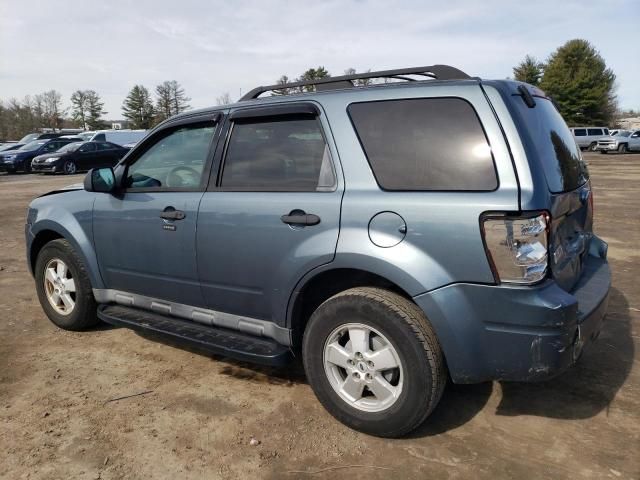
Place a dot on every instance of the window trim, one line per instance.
(151, 140)
(425, 190)
(262, 119)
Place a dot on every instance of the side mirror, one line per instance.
(100, 180)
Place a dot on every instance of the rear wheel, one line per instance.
(64, 288)
(373, 361)
(622, 148)
(69, 167)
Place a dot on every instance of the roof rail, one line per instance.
(438, 72)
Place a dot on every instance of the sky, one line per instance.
(216, 47)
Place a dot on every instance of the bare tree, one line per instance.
(53, 112)
(224, 99)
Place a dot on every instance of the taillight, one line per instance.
(517, 246)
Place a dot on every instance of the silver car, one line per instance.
(624, 141)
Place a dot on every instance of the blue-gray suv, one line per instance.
(427, 226)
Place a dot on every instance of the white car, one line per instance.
(624, 141)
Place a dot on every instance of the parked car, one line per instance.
(344, 225)
(79, 156)
(624, 141)
(587, 137)
(120, 137)
(20, 159)
(39, 136)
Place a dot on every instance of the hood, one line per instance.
(68, 188)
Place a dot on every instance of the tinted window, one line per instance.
(100, 137)
(595, 131)
(278, 155)
(88, 147)
(104, 146)
(53, 146)
(425, 144)
(175, 160)
(606, 131)
(556, 149)
(580, 132)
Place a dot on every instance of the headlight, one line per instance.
(51, 160)
(10, 157)
(517, 246)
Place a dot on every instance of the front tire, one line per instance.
(592, 146)
(373, 361)
(69, 167)
(622, 148)
(64, 288)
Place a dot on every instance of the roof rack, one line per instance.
(438, 72)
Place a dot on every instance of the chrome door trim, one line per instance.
(252, 326)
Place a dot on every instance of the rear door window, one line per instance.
(580, 132)
(282, 154)
(425, 144)
(595, 131)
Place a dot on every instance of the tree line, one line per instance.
(575, 76)
(86, 110)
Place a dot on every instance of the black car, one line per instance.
(79, 156)
(20, 159)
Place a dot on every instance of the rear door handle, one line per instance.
(298, 217)
(171, 213)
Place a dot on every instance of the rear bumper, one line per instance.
(518, 333)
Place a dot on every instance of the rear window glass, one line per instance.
(580, 132)
(425, 144)
(556, 149)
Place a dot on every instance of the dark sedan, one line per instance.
(79, 156)
(20, 159)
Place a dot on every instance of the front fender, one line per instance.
(70, 216)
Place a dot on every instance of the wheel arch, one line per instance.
(47, 230)
(313, 290)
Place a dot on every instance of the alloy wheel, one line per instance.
(59, 286)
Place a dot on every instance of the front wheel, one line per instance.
(592, 146)
(64, 288)
(69, 167)
(373, 361)
(622, 148)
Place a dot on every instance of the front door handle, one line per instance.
(171, 213)
(299, 217)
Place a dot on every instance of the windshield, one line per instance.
(29, 138)
(623, 134)
(86, 135)
(33, 145)
(555, 146)
(72, 147)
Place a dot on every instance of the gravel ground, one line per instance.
(200, 413)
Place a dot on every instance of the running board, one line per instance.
(220, 341)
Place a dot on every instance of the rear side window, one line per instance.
(425, 144)
(282, 154)
(556, 149)
(100, 137)
(595, 131)
(580, 132)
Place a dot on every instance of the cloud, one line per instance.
(213, 47)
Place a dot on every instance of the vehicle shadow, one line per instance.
(589, 386)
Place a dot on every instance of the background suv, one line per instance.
(587, 138)
(345, 226)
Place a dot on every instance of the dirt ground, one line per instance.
(56, 420)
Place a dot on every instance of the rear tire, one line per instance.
(413, 367)
(64, 288)
(622, 148)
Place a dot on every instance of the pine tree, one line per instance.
(529, 70)
(95, 110)
(578, 79)
(138, 108)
